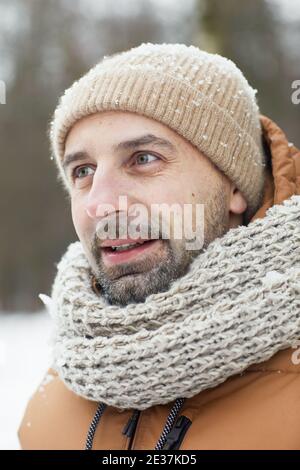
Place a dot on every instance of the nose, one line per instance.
(105, 195)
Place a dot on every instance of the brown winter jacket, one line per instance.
(259, 409)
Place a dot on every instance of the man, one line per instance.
(157, 345)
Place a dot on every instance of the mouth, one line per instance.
(121, 251)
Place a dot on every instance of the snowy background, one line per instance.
(24, 359)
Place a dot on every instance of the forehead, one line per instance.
(116, 126)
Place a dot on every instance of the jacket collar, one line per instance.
(283, 170)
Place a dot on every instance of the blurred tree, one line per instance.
(251, 34)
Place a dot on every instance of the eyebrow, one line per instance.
(144, 140)
(125, 145)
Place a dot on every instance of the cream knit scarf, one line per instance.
(239, 304)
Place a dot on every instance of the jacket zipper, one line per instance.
(130, 427)
(177, 433)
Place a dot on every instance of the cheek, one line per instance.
(81, 221)
(168, 191)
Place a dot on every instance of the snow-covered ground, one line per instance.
(24, 359)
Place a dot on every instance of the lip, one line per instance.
(122, 241)
(112, 258)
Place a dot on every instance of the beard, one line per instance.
(133, 282)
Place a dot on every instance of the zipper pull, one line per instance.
(131, 424)
(177, 433)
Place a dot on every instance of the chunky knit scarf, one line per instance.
(238, 304)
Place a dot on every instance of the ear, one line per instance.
(237, 203)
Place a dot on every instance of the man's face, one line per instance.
(102, 168)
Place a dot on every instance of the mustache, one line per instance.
(122, 226)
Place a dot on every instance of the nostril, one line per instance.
(90, 213)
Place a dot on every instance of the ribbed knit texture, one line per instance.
(238, 304)
(203, 97)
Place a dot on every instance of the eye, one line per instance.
(143, 158)
(81, 171)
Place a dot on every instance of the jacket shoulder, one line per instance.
(258, 409)
(55, 418)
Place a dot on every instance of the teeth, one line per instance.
(124, 247)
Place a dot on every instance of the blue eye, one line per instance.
(81, 171)
(143, 158)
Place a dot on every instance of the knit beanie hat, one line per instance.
(204, 97)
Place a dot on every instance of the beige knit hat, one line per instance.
(203, 97)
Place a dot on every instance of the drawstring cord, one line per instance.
(93, 426)
(169, 423)
(163, 437)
